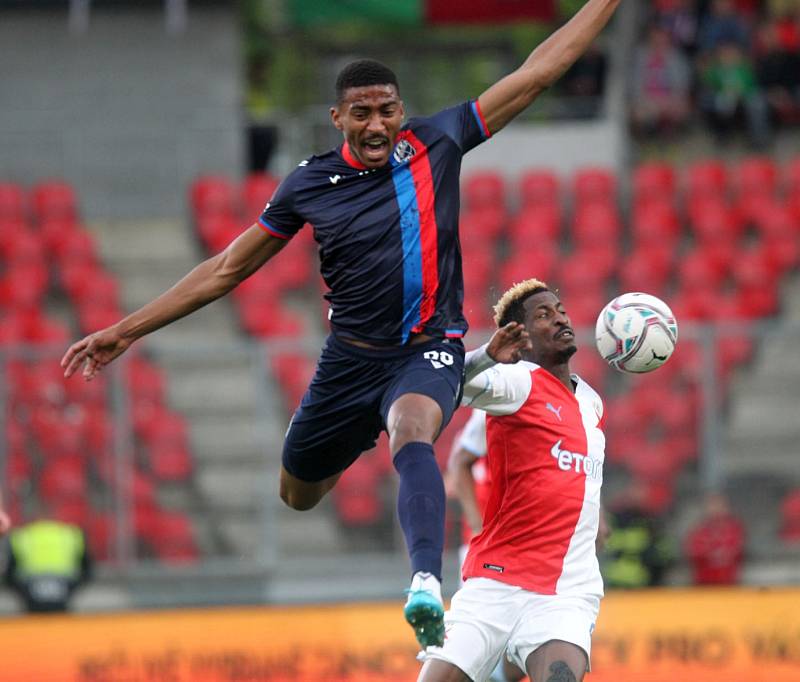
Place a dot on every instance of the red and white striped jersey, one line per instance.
(546, 449)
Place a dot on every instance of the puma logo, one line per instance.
(334, 178)
(556, 412)
(656, 357)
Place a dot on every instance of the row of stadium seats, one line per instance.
(59, 433)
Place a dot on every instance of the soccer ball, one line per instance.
(636, 333)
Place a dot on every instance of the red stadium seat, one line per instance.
(537, 261)
(484, 189)
(356, 495)
(211, 195)
(594, 184)
(482, 225)
(172, 539)
(696, 269)
(535, 225)
(53, 199)
(145, 381)
(75, 245)
(654, 180)
(19, 245)
(596, 224)
(63, 478)
(257, 190)
(792, 177)
(23, 285)
(538, 187)
(12, 203)
(790, 517)
(170, 461)
(646, 269)
(87, 283)
(713, 221)
(269, 321)
(755, 175)
(217, 230)
(655, 221)
(708, 178)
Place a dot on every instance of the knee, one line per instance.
(296, 500)
(410, 430)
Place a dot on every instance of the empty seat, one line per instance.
(63, 478)
(654, 180)
(594, 184)
(212, 195)
(257, 190)
(707, 178)
(596, 223)
(713, 221)
(484, 189)
(12, 202)
(655, 221)
(53, 199)
(172, 538)
(790, 517)
(539, 187)
(536, 224)
(356, 496)
(755, 175)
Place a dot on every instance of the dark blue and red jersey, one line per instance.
(388, 237)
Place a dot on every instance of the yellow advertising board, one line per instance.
(658, 636)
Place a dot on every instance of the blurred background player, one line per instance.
(399, 364)
(715, 544)
(470, 482)
(532, 581)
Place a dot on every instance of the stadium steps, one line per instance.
(763, 412)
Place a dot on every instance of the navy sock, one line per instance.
(421, 506)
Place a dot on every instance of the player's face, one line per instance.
(370, 118)
(550, 330)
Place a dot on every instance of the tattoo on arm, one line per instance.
(560, 672)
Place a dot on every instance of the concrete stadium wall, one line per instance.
(126, 111)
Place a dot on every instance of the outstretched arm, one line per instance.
(209, 281)
(545, 65)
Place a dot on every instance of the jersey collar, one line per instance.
(347, 155)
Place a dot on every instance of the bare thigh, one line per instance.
(557, 661)
(303, 495)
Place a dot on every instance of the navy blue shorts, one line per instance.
(345, 407)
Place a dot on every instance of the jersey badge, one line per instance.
(555, 411)
(404, 151)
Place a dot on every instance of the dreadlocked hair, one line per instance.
(510, 307)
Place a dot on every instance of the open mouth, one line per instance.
(375, 147)
(566, 333)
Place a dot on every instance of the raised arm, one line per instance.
(545, 65)
(207, 282)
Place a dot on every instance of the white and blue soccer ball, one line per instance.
(636, 333)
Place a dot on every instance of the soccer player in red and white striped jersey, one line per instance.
(532, 582)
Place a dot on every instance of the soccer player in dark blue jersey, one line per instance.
(384, 210)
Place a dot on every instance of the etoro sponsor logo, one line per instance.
(577, 462)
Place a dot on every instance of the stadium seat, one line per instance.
(73, 246)
(145, 381)
(755, 175)
(539, 187)
(484, 189)
(257, 190)
(172, 538)
(13, 204)
(713, 221)
(646, 269)
(594, 184)
(791, 179)
(655, 221)
(293, 372)
(269, 320)
(23, 285)
(170, 461)
(790, 517)
(211, 195)
(654, 180)
(217, 230)
(87, 283)
(18, 245)
(596, 224)
(707, 178)
(356, 495)
(696, 269)
(536, 225)
(63, 478)
(525, 263)
(53, 199)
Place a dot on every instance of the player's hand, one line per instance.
(508, 343)
(94, 351)
(5, 522)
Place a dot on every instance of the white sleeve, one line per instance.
(498, 390)
(473, 436)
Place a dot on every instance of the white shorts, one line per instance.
(487, 618)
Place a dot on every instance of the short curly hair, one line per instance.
(364, 72)
(511, 306)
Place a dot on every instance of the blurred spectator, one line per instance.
(679, 19)
(584, 83)
(661, 82)
(637, 552)
(723, 25)
(730, 95)
(714, 546)
(778, 72)
(47, 561)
